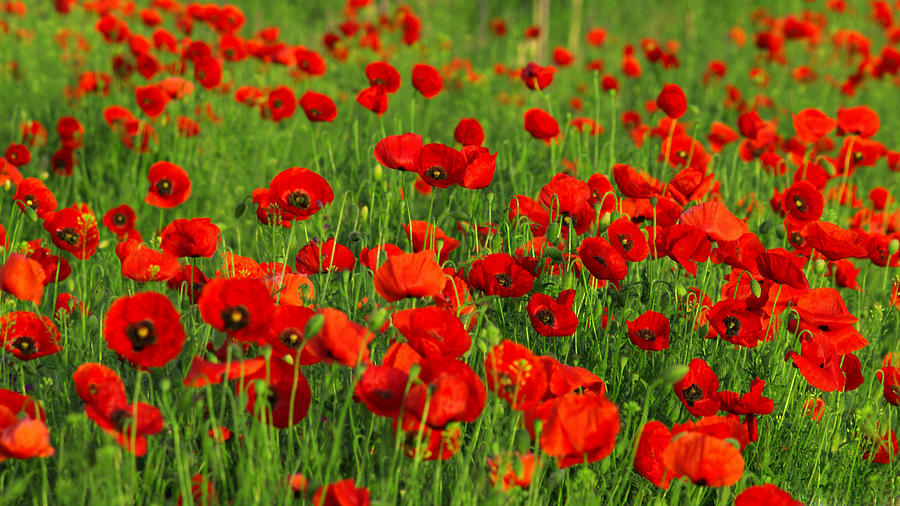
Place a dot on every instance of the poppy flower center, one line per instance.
(546, 317)
(504, 280)
(646, 335)
(299, 200)
(13, 156)
(800, 204)
(277, 104)
(796, 239)
(304, 65)
(732, 326)
(229, 53)
(164, 187)
(119, 219)
(436, 172)
(692, 394)
(25, 345)
(141, 334)
(379, 81)
(235, 317)
(120, 419)
(315, 112)
(59, 163)
(67, 235)
(681, 154)
(857, 156)
(201, 74)
(291, 338)
(625, 241)
(31, 202)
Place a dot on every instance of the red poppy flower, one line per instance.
(384, 76)
(208, 72)
(170, 185)
(515, 374)
(281, 104)
(819, 365)
(144, 329)
(344, 492)
(63, 162)
(705, 460)
(628, 240)
(242, 308)
(329, 256)
(715, 220)
(440, 166)
(23, 277)
(602, 260)
(427, 80)
(18, 155)
(300, 192)
(468, 132)
(449, 390)
(423, 235)
(399, 152)
(9, 172)
(649, 331)
(541, 125)
(720, 134)
(812, 124)
(734, 321)
(568, 200)
(834, 242)
(74, 229)
(33, 133)
(71, 132)
(203, 373)
(143, 264)
(749, 404)
(409, 275)
(803, 201)
(288, 396)
(480, 167)
(631, 183)
(341, 340)
(151, 99)
(432, 331)
(648, 458)
(318, 106)
(824, 314)
(783, 267)
(553, 317)
(765, 495)
(515, 470)
(682, 151)
(859, 120)
(106, 404)
(672, 101)
(500, 274)
(381, 389)
(580, 428)
(28, 335)
(32, 192)
(536, 77)
(373, 98)
(55, 268)
(698, 389)
(120, 220)
(190, 237)
(520, 205)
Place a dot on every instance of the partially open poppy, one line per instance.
(432, 331)
(541, 125)
(384, 76)
(409, 275)
(318, 107)
(515, 374)
(287, 395)
(340, 493)
(426, 80)
(190, 237)
(449, 390)
(704, 460)
(537, 77)
(381, 389)
(468, 132)
(671, 100)
(341, 340)
(23, 277)
(765, 495)
(602, 260)
(698, 389)
(580, 428)
(399, 152)
(144, 329)
(329, 256)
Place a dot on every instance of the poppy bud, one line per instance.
(364, 213)
(523, 443)
(377, 172)
(240, 208)
(820, 266)
(606, 219)
(165, 385)
(680, 290)
(894, 246)
(482, 346)
(31, 214)
(553, 253)
(490, 197)
(764, 227)
(376, 320)
(414, 371)
(755, 288)
(779, 232)
(313, 326)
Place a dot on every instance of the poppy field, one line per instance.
(383, 252)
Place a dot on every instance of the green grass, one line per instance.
(819, 463)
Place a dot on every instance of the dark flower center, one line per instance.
(797, 239)
(291, 338)
(646, 335)
(681, 154)
(299, 199)
(504, 280)
(800, 204)
(120, 419)
(315, 112)
(67, 235)
(141, 334)
(732, 325)
(25, 345)
(31, 202)
(235, 317)
(857, 156)
(119, 219)
(546, 317)
(277, 104)
(436, 172)
(164, 187)
(692, 394)
(625, 241)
